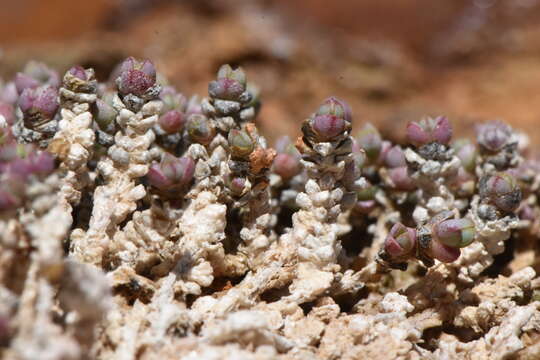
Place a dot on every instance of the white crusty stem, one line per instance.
(202, 225)
(328, 159)
(254, 203)
(73, 143)
(128, 160)
(83, 294)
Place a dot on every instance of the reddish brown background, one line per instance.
(393, 60)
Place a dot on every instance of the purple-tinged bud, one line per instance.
(454, 232)
(105, 115)
(429, 130)
(226, 89)
(370, 140)
(416, 134)
(40, 163)
(240, 143)
(227, 72)
(237, 185)
(286, 165)
(36, 74)
(171, 173)
(501, 190)
(493, 136)
(7, 111)
(23, 81)
(335, 107)
(22, 160)
(171, 99)
(444, 253)
(42, 100)
(395, 157)
(327, 127)
(442, 130)
(467, 153)
(136, 77)
(200, 129)
(401, 179)
(400, 242)
(230, 84)
(359, 156)
(79, 72)
(172, 121)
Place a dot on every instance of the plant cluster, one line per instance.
(126, 200)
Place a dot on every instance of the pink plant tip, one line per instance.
(429, 130)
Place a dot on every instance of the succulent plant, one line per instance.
(429, 130)
(171, 174)
(493, 136)
(172, 121)
(501, 190)
(36, 74)
(185, 207)
(200, 129)
(39, 104)
(136, 77)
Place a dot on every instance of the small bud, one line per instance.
(172, 121)
(286, 165)
(370, 140)
(42, 100)
(359, 156)
(429, 130)
(466, 152)
(200, 129)
(79, 72)
(240, 143)
(351, 174)
(237, 185)
(7, 111)
(36, 74)
(335, 107)
(395, 157)
(105, 115)
(171, 99)
(401, 179)
(40, 163)
(494, 135)
(230, 84)
(23, 81)
(501, 190)
(171, 173)
(136, 77)
(454, 232)
(401, 241)
(328, 127)
(444, 253)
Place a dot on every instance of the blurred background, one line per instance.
(392, 60)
